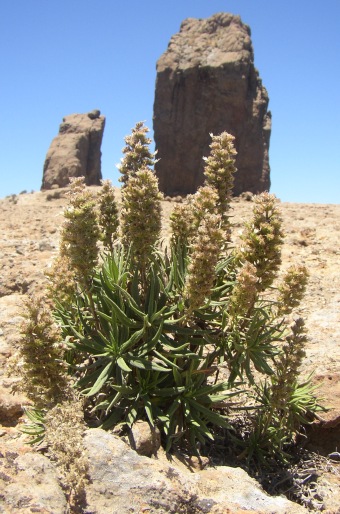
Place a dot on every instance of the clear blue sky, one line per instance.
(59, 57)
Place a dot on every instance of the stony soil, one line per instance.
(29, 227)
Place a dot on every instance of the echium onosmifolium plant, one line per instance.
(262, 239)
(80, 232)
(137, 154)
(204, 201)
(212, 198)
(219, 172)
(64, 438)
(147, 337)
(108, 215)
(186, 218)
(289, 362)
(56, 416)
(285, 402)
(141, 220)
(244, 293)
(290, 400)
(181, 224)
(42, 371)
(62, 283)
(292, 288)
(205, 252)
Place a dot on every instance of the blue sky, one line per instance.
(59, 57)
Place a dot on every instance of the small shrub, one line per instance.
(12, 198)
(56, 415)
(56, 195)
(147, 327)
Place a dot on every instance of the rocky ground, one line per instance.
(29, 226)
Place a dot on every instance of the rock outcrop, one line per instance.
(75, 152)
(207, 83)
(122, 482)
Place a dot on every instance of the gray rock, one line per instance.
(122, 482)
(207, 83)
(76, 151)
(29, 483)
(46, 246)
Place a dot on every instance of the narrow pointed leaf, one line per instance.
(101, 380)
(146, 364)
(136, 336)
(122, 364)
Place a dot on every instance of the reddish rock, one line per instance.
(207, 83)
(144, 439)
(76, 151)
(10, 407)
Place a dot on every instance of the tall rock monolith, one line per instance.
(75, 151)
(207, 83)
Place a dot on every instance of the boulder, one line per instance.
(29, 483)
(121, 481)
(207, 83)
(76, 151)
(144, 439)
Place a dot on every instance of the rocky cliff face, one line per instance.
(75, 152)
(207, 83)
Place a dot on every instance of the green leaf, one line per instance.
(150, 300)
(148, 409)
(84, 342)
(113, 419)
(88, 378)
(174, 325)
(101, 380)
(36, 416)
(121, 316)
(177, 377)
(210, 389)
(122, 364)
(175, 405)
(261, 364)
(136, 336)
(114, 401)
(168, 391)
(146, 364)
(109, 344)
(131, 303)
(167, 361)
(154, 340)
(125, 390)
(169, 348)
(104, 316)
(211, 416)
(159, 313)
(131, 416)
